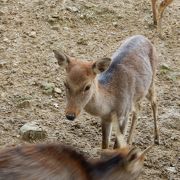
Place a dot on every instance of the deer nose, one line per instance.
(71, 117)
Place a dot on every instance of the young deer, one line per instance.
(111, 88)
(158, 13)
(56, 162)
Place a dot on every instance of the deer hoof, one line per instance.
(157, 142)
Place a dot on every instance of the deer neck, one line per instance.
(97, 105)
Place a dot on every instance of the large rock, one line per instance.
(32, 131)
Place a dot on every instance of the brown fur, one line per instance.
(158, 12)
(126, 79)
(57, 162)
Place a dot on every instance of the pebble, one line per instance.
(24, 104)
(56, 28)
(165, 66)
(115, 24)
(171, 169)
(57, 90)
(72, 9)
(56, 105)
(6, 39)
(1, 13)
(2, 63)
(66, 28)
(32, 34)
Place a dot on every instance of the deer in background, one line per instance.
(111, 88)
(158, 12)
(57, 162)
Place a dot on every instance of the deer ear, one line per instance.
(132, 155)
(134, 161)
(101, 65)
(63, 59)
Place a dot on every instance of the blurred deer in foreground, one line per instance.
(111, 88)
(158, 12)
(56, 162)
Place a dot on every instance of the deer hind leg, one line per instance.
(152, 97)
(161, 9)
(106, 132)
(154, 10)
(133, 123)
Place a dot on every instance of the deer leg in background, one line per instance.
(161, 9)
(154, 10)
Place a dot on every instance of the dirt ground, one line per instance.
(29, 30)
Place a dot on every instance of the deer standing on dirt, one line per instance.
(111, 88)
(158, 12)
(57, 162)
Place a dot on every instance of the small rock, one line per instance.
(31, 131)
(82, 41)
(120, 16)
(66, 28)
(52, 19)
(56, 28)
(6, 39)
(2, 63)
(175, 138)
(80, 134)
(113, 33)
(115, 24)
(82, 16)
(56, 105)
(1, 13)
(32, 34)
(57, 90)
(24, 104)
(165, 67)
(171, 169)
(55, 16)
(72, 9)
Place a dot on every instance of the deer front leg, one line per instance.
(152, 98)
(123, 127)
(133, 123)
(120, 131)
(132, 128)
(156, 130)
(106, 132)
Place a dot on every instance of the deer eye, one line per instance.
(87, 88)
